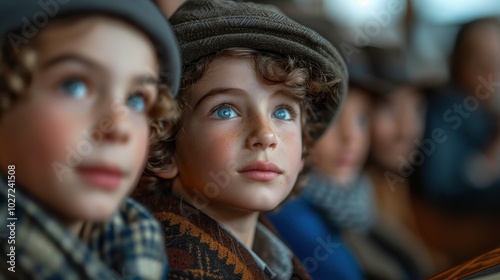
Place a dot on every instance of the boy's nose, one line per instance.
(262, 135)
(115, 122)
(408, 125)
(346, 132)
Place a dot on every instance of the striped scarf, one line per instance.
(342, 207)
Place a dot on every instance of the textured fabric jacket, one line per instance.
(200, 248)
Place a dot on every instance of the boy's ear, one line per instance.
(170, 170)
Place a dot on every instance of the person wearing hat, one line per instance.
(462, 175)
(393, 248)
(257, 90)
(398, 118)
(80, 82)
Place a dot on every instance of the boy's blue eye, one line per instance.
(282, 114)
(74, 87)
(225, 112)
(137, 102)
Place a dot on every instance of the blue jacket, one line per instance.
(320, 248)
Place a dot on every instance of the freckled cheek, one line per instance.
(291, 141)
(290, 136)
(219, 146)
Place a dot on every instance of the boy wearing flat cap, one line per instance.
(257, 90)
(80, 85)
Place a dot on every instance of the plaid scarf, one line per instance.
(129, 246)
(349, 207)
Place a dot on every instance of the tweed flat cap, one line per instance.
(205, 27)
(22, 20)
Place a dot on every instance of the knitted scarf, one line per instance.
(349, 207)
(129, 246)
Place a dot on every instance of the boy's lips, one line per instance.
(104, 177)
(345, 160)
(261, 171)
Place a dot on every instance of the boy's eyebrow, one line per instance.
(219, 91)
(237, 91)
(146, 79)
(286, 94)
(71, 57)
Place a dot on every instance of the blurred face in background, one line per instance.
(397, 122)
(479, 56)
(341, 152)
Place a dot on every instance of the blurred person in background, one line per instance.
(461, 174)
(459, 179)
(398, 117)
(397, 124)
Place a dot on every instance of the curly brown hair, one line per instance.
(304, 81)
(15, 74)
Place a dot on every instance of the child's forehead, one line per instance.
(23, 20)
(220, 63)
(76, 26)
(252, 61)
(227, 71)
(95, 29)
(90, 45)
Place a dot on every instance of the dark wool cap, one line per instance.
(205, 27)
(23, 19)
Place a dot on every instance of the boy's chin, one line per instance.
(262, 205)
(98, 212)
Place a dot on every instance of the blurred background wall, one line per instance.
(426, 28)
